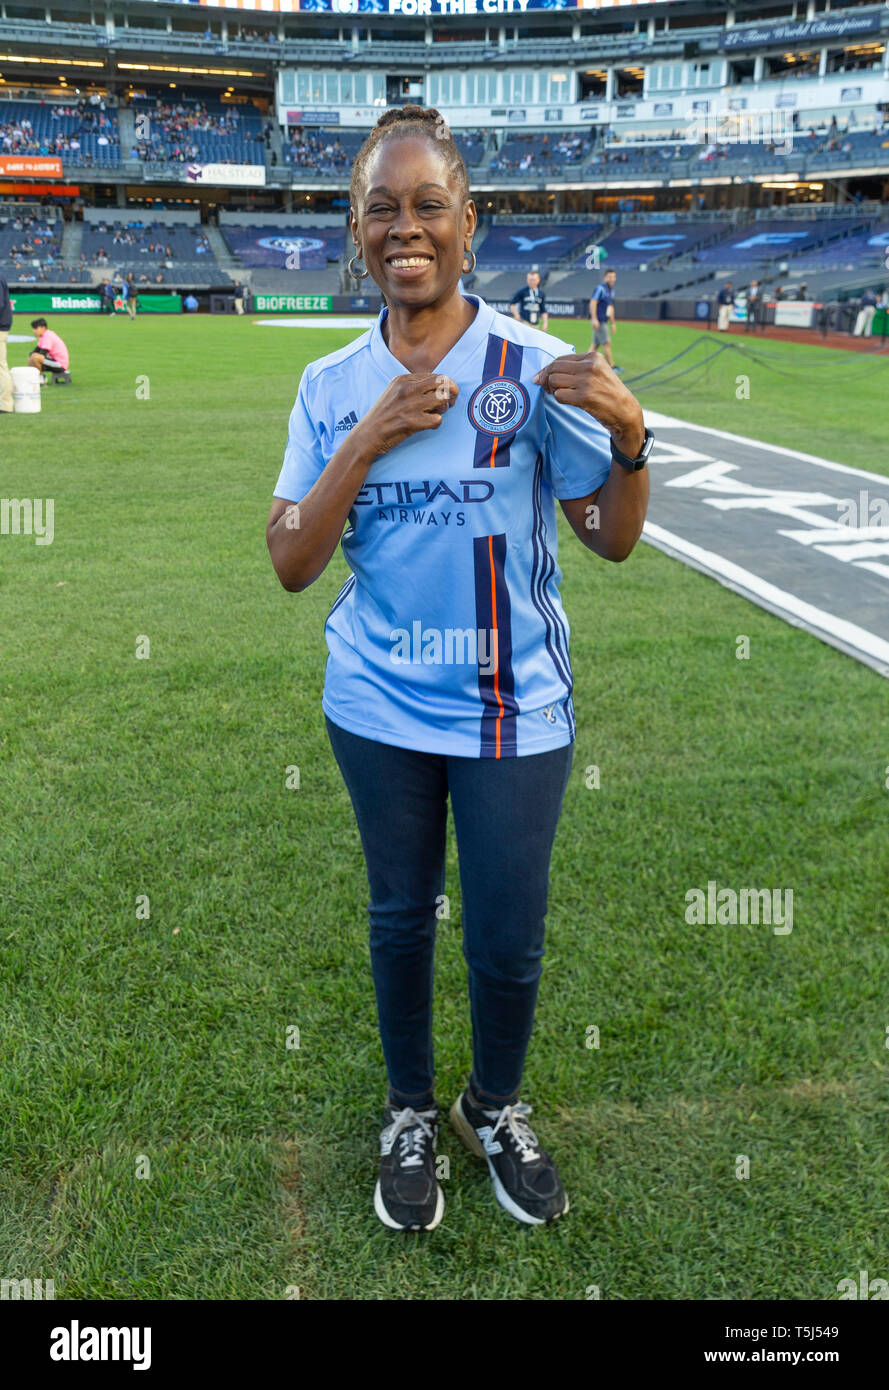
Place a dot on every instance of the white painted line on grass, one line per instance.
(838, 632)
(308, 322)
(653, 419)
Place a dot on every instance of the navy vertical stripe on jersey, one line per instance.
(493, 616)
(542, 569)
(502, 358)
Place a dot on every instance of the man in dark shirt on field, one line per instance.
(724, 300)
(530, 303)
(754, 306)
(602, 316)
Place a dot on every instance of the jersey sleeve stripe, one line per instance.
(343, 594)
(541, 572)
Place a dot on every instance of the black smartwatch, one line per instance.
(633, 465)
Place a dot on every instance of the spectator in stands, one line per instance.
(602, 316)
(530, 303)
(724, 300)
(5, 325)
(867, 307)
(803, 291)
(754, 306)
(50, 354)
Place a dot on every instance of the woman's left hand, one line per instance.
(584, 379)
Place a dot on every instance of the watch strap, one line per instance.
(630, 464)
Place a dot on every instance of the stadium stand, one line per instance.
(539, 152)
(156, 252)
(641, 243)
(545, 147)
(763, 243)
(31, 247)
(311, 248)
(205, 130)
(83, 135)
(322, 151)
(519, 246)
(860, 251)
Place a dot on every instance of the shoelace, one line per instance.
(411, 1127)
(513, 1119)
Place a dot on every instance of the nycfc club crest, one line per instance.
(499, 407)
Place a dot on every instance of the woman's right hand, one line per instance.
(410, 403)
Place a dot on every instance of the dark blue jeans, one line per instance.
(505, 815)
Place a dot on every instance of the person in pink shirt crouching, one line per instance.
(50, 354)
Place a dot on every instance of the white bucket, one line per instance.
(25, 389)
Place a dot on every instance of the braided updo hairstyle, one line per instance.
(424, 121)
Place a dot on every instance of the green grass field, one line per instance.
(127, 1039)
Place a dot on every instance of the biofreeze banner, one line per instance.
(292, 303)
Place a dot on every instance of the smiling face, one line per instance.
(411, 222)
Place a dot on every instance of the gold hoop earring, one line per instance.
(357, 275)
(471, 268)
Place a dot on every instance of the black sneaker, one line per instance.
(408, 1196)
(526, 1181)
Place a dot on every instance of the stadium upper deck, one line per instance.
(589, 109)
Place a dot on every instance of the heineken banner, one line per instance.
(160, 303)
(76, 302)
(292, 303)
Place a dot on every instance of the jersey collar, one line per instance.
(471, 342)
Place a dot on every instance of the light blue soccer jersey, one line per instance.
(449, 635)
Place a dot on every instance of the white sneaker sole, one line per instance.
(462, 1126)
(382, 1213)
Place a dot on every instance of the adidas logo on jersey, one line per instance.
(347, 422)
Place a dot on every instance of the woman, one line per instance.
(441, 436)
